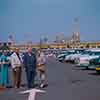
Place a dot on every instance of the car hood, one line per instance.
(61, 55)
(75, 55)
(68, 56)
(88, 57)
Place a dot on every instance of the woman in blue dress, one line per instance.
(4, 69)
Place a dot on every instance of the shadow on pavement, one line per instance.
(75, 81)
(94, 73)
(81, 69)
(23, 85)
(9, 87)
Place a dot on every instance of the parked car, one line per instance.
(84, 60)
(98, 69)
(62, 55)
(94, 63)
(67, 57)
(71, 58)
(83, 54)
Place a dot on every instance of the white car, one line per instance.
(68, 56)
(83, 60)
(73, 57)
(60, 55)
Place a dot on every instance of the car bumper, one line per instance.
(92, 67)
(82, 65)
(97, 68)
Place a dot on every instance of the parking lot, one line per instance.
(66, 82)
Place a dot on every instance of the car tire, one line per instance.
(60, 60)
(87, 68)
(98, 72)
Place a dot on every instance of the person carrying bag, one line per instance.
(41, 68)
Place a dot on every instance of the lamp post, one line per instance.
(40, 43)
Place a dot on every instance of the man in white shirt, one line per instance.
(16, 64)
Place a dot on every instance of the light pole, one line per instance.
(40, 43)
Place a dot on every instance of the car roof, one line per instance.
(95, 50)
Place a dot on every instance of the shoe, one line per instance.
(42, 86)
(15, 87)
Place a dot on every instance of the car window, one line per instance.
(86, 52)
(97, 53)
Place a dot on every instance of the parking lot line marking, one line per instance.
(32, 93)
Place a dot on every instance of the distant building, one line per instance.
(10, 40)
(76, 37)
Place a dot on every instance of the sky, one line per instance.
(31, 19)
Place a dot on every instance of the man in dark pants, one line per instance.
(29, 61)
(16, 63)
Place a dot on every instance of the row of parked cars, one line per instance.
(87, 58)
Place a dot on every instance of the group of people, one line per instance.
(34, 65)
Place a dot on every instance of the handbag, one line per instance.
(41, 67)
(16, 69)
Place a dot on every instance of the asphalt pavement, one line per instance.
(66, 82)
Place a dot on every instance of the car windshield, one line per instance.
(71, 53)
(79, 51)
(64, 52)
(94, 53)
(85, 52)
(67, 52)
